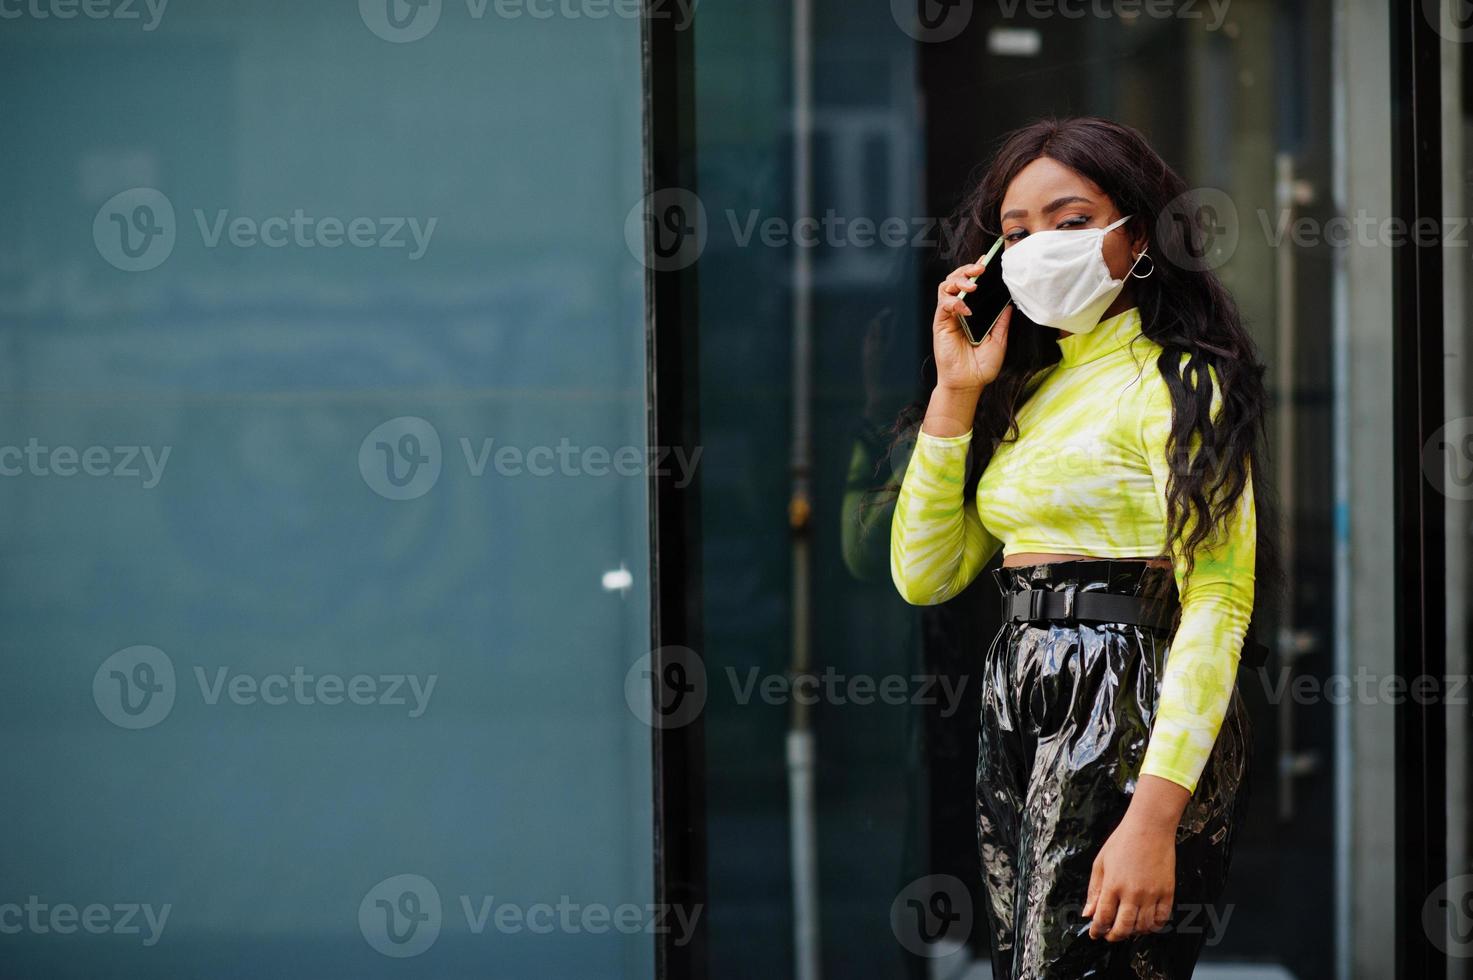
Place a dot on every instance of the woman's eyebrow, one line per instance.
(1048, 208)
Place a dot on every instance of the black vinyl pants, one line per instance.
(1067, 708)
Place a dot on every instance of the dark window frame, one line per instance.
(672, 376)
(1419, 561)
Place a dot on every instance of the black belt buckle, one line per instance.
(1036, 600)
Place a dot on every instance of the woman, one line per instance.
(1109, 444)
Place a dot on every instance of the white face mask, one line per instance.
(1059, 278)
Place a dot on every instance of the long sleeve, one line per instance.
(1216, 605)
(937, 542)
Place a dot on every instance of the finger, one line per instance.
(1104, 914)
(1124, 926)
(955, 284)
(951, 306)
(1092, 894)
(1163, 914)
(1145, 919)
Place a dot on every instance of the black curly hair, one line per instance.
(1183, 307)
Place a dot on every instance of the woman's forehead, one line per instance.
(1045, 180)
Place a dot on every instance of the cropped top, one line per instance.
(1087, 475)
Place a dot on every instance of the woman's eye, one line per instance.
(1075, 221)
(1014, 236)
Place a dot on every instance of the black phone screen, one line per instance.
(987, 301)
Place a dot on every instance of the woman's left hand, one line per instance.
(1134, 880)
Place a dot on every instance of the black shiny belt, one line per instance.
(1071, 605)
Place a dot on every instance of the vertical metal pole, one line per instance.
(800, 749)
(1343, 750)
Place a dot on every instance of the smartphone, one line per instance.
(988, 300)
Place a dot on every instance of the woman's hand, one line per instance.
(1134, 880)
(959, 365)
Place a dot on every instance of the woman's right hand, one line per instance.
(959, 365)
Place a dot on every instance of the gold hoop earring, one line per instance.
(1151, 269)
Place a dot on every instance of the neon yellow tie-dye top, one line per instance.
(1087, 476)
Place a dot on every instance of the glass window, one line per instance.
(323, 496)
